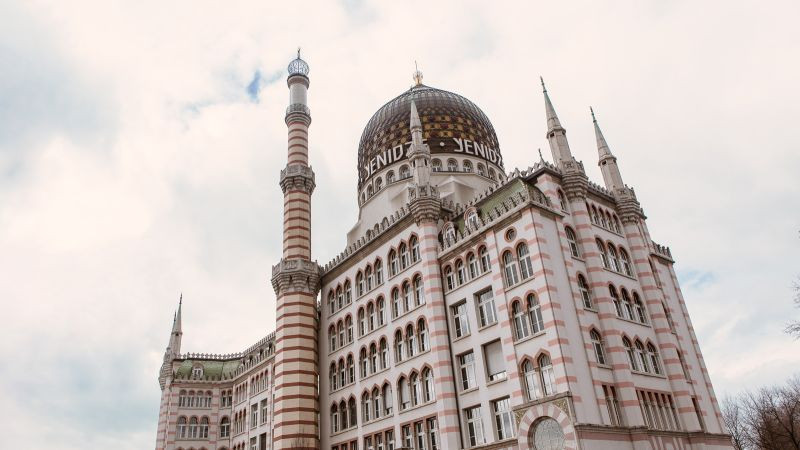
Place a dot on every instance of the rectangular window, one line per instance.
(612, 405)
(433, 433)
(390, 440)
(460, 322)
(408, 440)
(419, 431)
(368, 443)
(264, 411)
(486, 311)
(466, 363)
(699, 414)
(253, 416)
(493, 356)
(503, 418)
(378, 442)
(253, 444)
(474, 426)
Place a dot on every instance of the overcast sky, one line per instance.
(140, 146)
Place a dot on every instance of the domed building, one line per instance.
(472, 307)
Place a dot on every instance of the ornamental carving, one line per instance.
(296, 275)
(297, 177)
(425, 204)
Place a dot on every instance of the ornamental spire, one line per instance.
(552, 118)
(175, 335)
(602, 146)
(420, 154)
(417, 75)
(607, 162)
(556, 134)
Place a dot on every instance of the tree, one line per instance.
(767, 419)
(793, 328)
(733, 416)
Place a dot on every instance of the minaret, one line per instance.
(607, 162)
(177, 331)
(296, 283)
(556, 134)
(420, 154)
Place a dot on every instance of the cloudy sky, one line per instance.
(140, 144)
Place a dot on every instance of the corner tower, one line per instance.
(296, 283)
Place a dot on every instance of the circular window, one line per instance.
(511, 234)
(548, 435)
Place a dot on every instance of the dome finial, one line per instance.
(417, 75)
(298, 66)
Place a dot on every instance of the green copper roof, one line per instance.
(211, 368)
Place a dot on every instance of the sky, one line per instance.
(141, 143)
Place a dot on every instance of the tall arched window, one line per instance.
(437, 165)
(340, 332)
(427, 385)
(416, 390)
(586, 294)
(381, 311)
(414, 244)
(369, 278)
(339, 297)
(363, 363)
(398, 346)
(531, 380)
(365, 407)
(393, 267)
(614, 258)
(452, 165)
(449, 279)
(384, 348)
(182, 399)
(422, 331)
(362, 322)
(521, 326)
(603, 255)
(411, 341)
(655, 362)
(449, 233)
(370, 316)
(641, 315)
(403, 251)
(193, 428)
(334, 418)
(573, 242)
(376, 402)
(471, 219)
(524, 258)
(510, 265)
(641, 357)
(348, 292)
(332, 336)
(359, 284)
(419, 297)
(627, 306)
(343, 425)
(406, 296)
(535, 313)
(629, 351)
(562, 201)
(467, 167)
(351, 369)
(182, 434)
(547, 375)
(626, 262)
(225, 427)
(378, 272)
(599, 348)
(460, 273)
(483, 253)
(348, 324)
(472, 265)
(342, 373)
(386, 393)
(615, 298)
(353, 415)
(373, 358)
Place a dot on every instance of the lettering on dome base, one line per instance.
(438, 146)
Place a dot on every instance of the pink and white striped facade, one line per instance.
(527, 311)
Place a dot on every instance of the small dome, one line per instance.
(451, 124)
(298, 66)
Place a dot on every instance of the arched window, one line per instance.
(359, 284)
(339, 297)
(342, 373)
(603, 255)
(548, 378)
(348, 292)
(378, 272)
(467, 167)
(376, 402)
(586, 294)
(615, 298)
(603, 219)
(404, 172)
(419, 297)
(343, 425)
(182, 434)
(595, 217)
(627, 306)
(365, 407)
(614, 258)
(422, 331)
(472, 265)
(340, 332)
(452, 165)
(437, 165)
(626, 262)
(392, 263)
(524, 258)
(348, 324)
(641, 315)
(386, 393)
(563, 201)
(193, 428)
(449, 233)
(390, 177)
(491, 173)
(370, 316)
(396, 308)
(351, 369)
(182, 399)
(411, 341)
(378, 184)
(449, 279)
(573, 243)
(416, 389)
(398, 346)
(535, 313)
(641, 357)
(403, 251)
(531, 380)
(381, 311)
(427, 385)
(331, 302)
(617, 228)
(362, 362)
(510, 265)
(225, 427)
(384, 349)
(406, 296)
(548, 435)
(334, 418)
(373, 358)
(521, 326)
(414, 244)
(351, 407)
(362, 322)
(483, 253)
(471, 219)
(369, 278)
(332, 335)
(403, 395)
(460, 273)
(599, 348)
(370, 190)
(481, 170)
(629, 351)
(655, 362)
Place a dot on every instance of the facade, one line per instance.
(471, 308)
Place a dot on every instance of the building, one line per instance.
(471, 308)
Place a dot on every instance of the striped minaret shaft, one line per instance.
(296, 283)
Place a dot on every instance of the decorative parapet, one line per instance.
(425, 203)
(297, 176)
(661, 250)
(298, 112)
(296, 275)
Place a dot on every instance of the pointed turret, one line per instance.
(607, 161)
(556, 134)
(176, 334)
(420, 153)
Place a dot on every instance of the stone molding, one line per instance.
(425, 203)
(574, 180)
(298, 112)
(296, 275)
(630, 211)
(297, 177)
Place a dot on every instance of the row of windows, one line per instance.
(192, 399)
(404, 299)
(658, 410)
(502, 416)
(627, 309)
(602, 218)
(618, 262)
(192, 428)
(416, 389)
(404, 256)
(641, 360)
(474, 267)
(487, 314)
(517, 265)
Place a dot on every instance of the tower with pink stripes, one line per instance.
(472, 307)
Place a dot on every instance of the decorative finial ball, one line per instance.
(298, 66)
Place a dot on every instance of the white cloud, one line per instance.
(134, 166)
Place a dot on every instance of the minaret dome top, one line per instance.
(298, 66)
